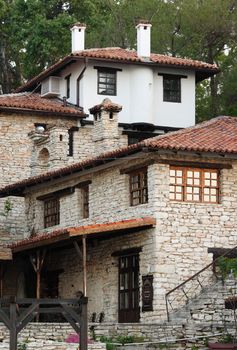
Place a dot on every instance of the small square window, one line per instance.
(107, 82)
(171, 88)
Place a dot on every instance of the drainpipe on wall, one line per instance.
(79, 79)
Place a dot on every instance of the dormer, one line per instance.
(50, 87)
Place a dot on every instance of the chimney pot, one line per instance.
(143, 39)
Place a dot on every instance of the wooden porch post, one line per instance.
(84, 266)
(1, 278)
(82, 255)
(13, 331)
(37, 265)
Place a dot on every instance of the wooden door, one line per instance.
(129, 310)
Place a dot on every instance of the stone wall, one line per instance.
(17, 158)
(24, 153)
(172, 252)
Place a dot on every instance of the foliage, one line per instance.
(8, 206)
(227, 339)
(121, 339)
(35, 33)
(194, 347)
(227, 266)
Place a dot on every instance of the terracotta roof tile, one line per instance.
(124, 56)
(218, 135)
(66, 233)
(106, 105)
(34, 102)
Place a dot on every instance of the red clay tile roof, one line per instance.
(35, 103)
(106, 105)
(116, 54)
(218, 135)
(73, 232)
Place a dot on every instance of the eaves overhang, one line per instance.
(19, 110)
(96, 230)
(201, 73)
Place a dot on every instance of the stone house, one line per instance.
(114, 206)
(54, 119)
(152, 88)
(143, 218)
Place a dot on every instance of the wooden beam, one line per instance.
(84, 325)
(195, 164)
(60, 193)
(112, 227)
(41, 243)
(78, 250)
(83, 184)
(135, 167)
(13, 330)
(37, 265)
(130, 251)
(84, 267)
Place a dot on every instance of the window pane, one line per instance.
(139, 187)
(106, 82)
(51, 212)
(197, 185)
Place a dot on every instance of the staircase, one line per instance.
(201, 297)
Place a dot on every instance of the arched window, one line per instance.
(43, 157)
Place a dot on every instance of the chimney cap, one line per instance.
(143, 22)
(106, 105)
(78, 25)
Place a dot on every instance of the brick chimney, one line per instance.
(78, 37)
(143, 39)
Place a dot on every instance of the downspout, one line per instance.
(79, 79)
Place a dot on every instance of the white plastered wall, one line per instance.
(139, 91)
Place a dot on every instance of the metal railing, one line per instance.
(191, 287)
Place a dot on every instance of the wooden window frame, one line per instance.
(142, 188)
(103, 87)
(71, 140)
(202, 186)
(68, 89)
(167, 90)
(85, 201)
(51, 218)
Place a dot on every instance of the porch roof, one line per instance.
(70, 233)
